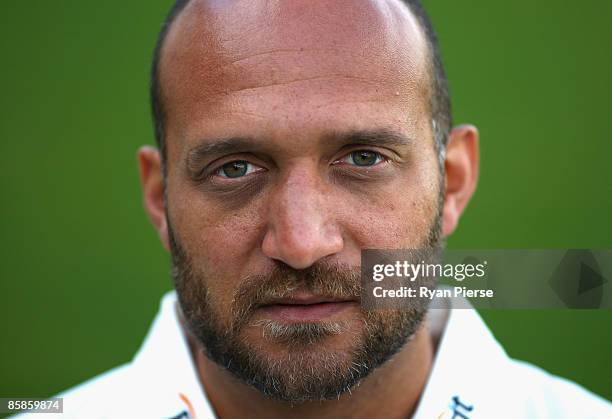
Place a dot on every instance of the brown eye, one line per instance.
(365, 157)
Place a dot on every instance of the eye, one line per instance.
(236, 169)
(363, 158)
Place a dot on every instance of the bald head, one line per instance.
(211, 54)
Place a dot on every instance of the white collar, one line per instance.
(460, 375)
(166, 360)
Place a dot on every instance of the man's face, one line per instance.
(297, 134)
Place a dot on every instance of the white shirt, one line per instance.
(472, 377)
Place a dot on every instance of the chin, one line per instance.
(279, 338)
(299, 371)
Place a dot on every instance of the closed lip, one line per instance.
(305, 299)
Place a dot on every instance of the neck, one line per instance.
(392, 390)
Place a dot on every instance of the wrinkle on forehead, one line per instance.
(218, 49)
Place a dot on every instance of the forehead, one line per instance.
(282, 60)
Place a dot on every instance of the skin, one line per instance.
(293, 79)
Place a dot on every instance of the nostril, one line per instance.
(300, 250)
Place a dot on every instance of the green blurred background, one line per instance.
(82, 271)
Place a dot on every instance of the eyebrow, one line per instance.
(211, 148)
(219, 147)
(373, 137)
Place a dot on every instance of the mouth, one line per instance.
(302, 308)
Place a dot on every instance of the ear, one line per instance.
(461, 167)
(152, 182)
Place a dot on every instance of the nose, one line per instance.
(301, 222)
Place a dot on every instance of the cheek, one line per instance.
(402, 222)
(219, 242)
(397, 215)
